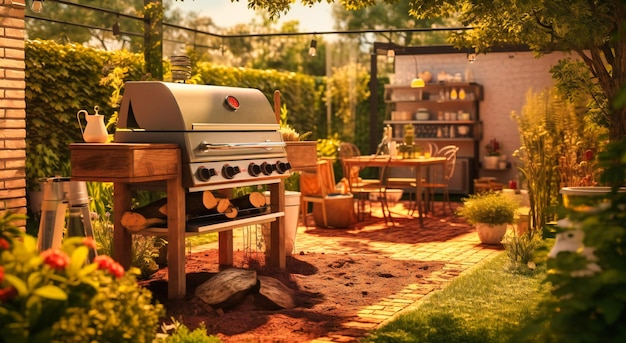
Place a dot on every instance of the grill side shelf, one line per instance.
(197, 227)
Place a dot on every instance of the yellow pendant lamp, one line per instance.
(417, 82)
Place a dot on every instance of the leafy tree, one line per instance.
(592, 29)
(385, 16)
(94, 27)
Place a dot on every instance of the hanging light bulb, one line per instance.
(313, 47)
(37, 6)
(417, 82)
(116, 28)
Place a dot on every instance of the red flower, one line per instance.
(588, 155)
(1, 274)
(107, 263)
(89, 242)
(7, 294)
(116, 270)
(55, 258)
(4, 244)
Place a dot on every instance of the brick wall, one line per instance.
(12, 107)
(506, 78)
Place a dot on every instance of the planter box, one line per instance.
(301, 154)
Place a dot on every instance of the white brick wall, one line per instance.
(506, 79)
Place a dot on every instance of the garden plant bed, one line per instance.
(330, 290)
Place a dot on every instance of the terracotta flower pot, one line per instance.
(490, 234)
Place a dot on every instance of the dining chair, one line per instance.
(365, 193)
(316, 186)
(441, 180)
(347, 150)
(408, 183)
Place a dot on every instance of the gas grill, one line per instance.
(227, 135)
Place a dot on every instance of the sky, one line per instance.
(226, 13)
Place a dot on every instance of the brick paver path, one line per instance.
(444, 239)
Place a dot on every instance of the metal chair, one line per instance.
(364, 192)
(441, 180)
(408, 183)
(347, 150)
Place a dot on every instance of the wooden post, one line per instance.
(278, 255)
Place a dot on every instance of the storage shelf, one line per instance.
(403, 102)
(194, 229)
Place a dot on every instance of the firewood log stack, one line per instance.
(197, 204)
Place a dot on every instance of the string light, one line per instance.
(313, 47)
(37, 6)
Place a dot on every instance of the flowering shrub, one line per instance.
(591, 306)
(59, 296)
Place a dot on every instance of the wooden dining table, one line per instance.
(419, 164)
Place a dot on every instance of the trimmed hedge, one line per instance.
(62, 79)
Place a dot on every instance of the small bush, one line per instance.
(520, 250)
(181, 334)
(58, 295)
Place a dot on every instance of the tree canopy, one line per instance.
(591, 29)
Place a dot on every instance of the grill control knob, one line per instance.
(254, 169)
(204, 173)
(229, 172)
(282, 167)
(267, 168)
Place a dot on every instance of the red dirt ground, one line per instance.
(330, 289)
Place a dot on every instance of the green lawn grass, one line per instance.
(490, 303)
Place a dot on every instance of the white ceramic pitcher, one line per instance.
(95, 131)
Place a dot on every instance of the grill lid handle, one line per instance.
(206, 146)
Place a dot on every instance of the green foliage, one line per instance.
(490, 208)
(153, 41)
(99, 38)
(59, 296)
(144, 249)
(392, 16)
(181, 334)
(327, 147)
(554, 141)
(520, 249)
(121, 311)
(347, 87)
(592, 307)
(61, 80)
(101, 194)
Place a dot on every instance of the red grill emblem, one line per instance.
(232, 103)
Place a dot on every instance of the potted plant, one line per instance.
(490, 213)
(493, 154)
(301, 154)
